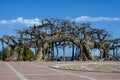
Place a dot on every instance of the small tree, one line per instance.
(28, 54)
(7, 54)
(0, 55)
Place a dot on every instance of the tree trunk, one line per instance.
(15, 55)
(52, 53)
(106, 54)
(113, 53)
(101, 54)
(72, 51)
(64, 51)
(116, 56)
(40, 54)
(86, 51)
(81, 55)
(57, 56)
(3, 53)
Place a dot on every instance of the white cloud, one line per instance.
(3, 22)
(37, 21)
(94, 19)
(22, 21)
(67, 17)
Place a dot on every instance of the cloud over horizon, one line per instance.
(37, 21)
(21, 21)
(94, 19)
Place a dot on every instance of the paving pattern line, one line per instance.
(78, 75)
(20, 75)
(74, 74)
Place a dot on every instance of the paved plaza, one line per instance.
(42, 71)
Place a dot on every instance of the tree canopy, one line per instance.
(53, 33)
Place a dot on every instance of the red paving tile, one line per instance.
(41, 71)
(54, 77)
(99, 75)
(6, 73)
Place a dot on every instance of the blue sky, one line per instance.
(17, 14)
(11, 9)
